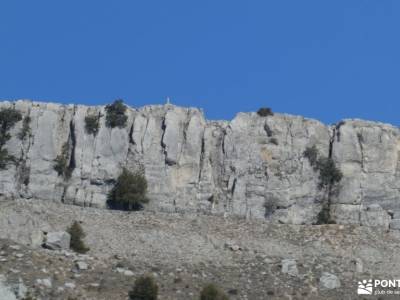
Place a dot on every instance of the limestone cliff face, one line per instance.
(251, 166)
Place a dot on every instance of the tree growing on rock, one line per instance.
(77, 236)
(145, 288)
(329, 177)
(212, 292)
(8, 118)
(115, 114)
(92, 124)
(129, 191)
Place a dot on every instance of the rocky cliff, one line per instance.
(251, 166)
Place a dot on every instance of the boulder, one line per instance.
(329, 281)
(289, 266)
(5, 291)
(81, 265)
(57, 240)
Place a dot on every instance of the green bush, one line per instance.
(329, 174)
(92, 124)
(145, 288)
(77, 234)
(26, 129)
(8, 118)
(5, 158)
(268, 130)
(129, 191)
(324, 216)
(115, 114)
(212, 292)
(270, 205)
(329, 177)
(61, 164)
(311, 153)
(265, 112)
(274, 141)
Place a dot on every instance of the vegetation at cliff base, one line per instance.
(145, 288)
(77, 235)
(212, 292)
(129, 191)
(115, 114)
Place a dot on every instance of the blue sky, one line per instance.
(327, 60)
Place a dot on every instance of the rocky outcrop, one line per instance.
(251, 166)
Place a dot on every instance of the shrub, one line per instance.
(129, 191)
(270, 206)
(311, 153)
(212, 292)
(8, 118)
(145, 288)
(5, 158)
(329, 174)
(274, 141)
(265, 112)
(324, 216)
(268, 130)
(92, 124)
(77, 234)
(61, 163)
(115, 114)
(26, 129)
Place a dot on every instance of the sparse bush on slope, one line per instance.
(77, 235)
(212, 292)
(145, 288)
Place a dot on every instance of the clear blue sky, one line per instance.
(322, 59)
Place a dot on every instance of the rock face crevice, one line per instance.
(240, 167)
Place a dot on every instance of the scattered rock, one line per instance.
(46, 282)
(395, 224)
(289, 266)
(36, 238)
(329, 281)
(20, 289)
(81, 265)
(5, 291)
(359, 265)
(70, 285)
(128, 273)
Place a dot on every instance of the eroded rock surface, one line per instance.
(251, 167)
